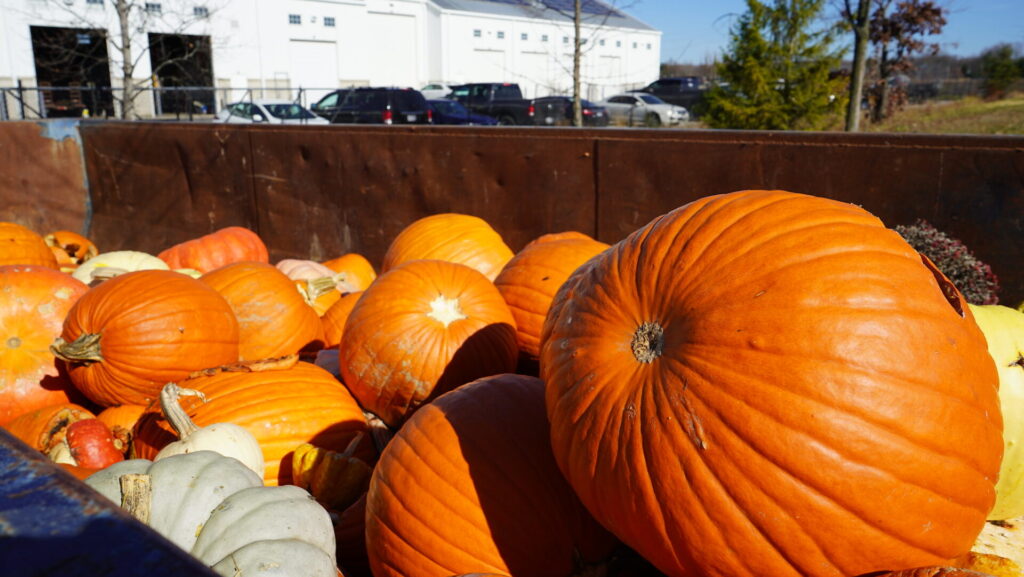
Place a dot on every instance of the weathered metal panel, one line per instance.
(326, 191)
(42, 179)
(156, 184)
(53, 524)
(972, 188)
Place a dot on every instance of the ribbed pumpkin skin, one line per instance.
(22, 245)
(816, 406)
(33, 303)
(397, 354)
(155, 326)
(334, 319)
(469, 484)
(451, 237)
(222, 247)
(281, 408)
(273, 318)
(530, 280)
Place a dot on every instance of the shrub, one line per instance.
(972, 277)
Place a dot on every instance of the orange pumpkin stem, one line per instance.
(174, 413)
(647, 342)
(85, 349)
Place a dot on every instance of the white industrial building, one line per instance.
(271, 48)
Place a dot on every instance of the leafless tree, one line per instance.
(594, 24)
(132, 18)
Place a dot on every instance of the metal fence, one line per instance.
(178, 102)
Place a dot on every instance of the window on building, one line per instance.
(565, 39)
(200, 11)
(501, 34)
(294, 19)
(524, 36)
(543, 37)
(329, 21)
(154, 7)
(648, 45)
(618, 43)
(634, 45)
(94, 1)
(477, 33)
(601, 42)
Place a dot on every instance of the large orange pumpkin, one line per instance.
(273, 318)
(420, 330)
(214, 250)
(282, 408)
(33, 303)
(469, 484)
(529, 281)
(129, 336)
(22, 245)
(769, 383)
(451, 237)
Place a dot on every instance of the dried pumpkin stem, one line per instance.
(648, 341)
(137, 495)
(84, 349)
(174, 413)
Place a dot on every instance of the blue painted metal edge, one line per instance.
(53, 524)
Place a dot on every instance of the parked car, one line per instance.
(328, 104)
(452, 112)
(436, 90)
(558, 111)
(376, 105)
(640, 108)
(501, 100)
(269, 111)
(685, 91)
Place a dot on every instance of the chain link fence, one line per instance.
(194, 103)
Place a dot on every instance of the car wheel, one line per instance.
(506, 121)
(652, 120)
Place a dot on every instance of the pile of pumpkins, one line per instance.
(759, 383)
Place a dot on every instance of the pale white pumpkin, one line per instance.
(219, 511)
(111, 264)
(228, 439)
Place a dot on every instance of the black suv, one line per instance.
(374, 105)
(685, 91)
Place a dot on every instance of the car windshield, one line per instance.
(651, 99)
(288, 111)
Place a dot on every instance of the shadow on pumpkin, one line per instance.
(536, 522)
(489, 351)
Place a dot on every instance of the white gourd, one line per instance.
(219, 511)
(110, 264)
(227, 439)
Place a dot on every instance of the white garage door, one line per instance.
(314, 67)
(395, 50)
(488, 66)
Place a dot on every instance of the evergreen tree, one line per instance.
(999, 70)
(777, 73)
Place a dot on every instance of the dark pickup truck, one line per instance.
(501, 100)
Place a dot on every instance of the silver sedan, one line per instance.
(642, 109)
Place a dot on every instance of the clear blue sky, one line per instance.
(694, 31)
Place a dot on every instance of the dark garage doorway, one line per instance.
(180, 61)
(74, 62)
